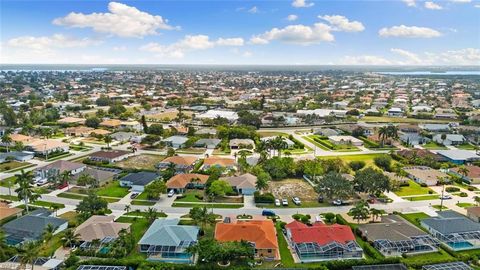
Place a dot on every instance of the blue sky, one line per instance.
(403, 32)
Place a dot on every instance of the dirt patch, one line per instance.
(292, 188)
(146, 162)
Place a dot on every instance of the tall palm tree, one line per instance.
(383, 134)
(25, 189)
(127, 208)
(477, 200)
(463, 171)
(48, 232)
(261, 184)
(70, 238)
(203, 217)
(28, 253)
(108, 140)
(393, 132)
(360, 211)
(6, 140)
(66, 177)
(375, 213)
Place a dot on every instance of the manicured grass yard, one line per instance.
(434, 146)
(412, 189)
(437, 206)
(415, 218)
(271, 134)
(422, 198)
(465, 205)
(285, 255)
(466, 146)
(368, 158)
(75, 196)
(142, 202)
(48, 204)
(8, 182)
(112, 189)
(209, 205)
(190, 196)
(9, 198)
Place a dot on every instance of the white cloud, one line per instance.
(409, 32)
(477, 5)
(468, 56)
(341, 23)
(410, 3)
(296, 34)
(121, 20)
(119, 48)
(412, 58)
(189, 43)
(48, 43)
(364, 60)
(302, 4)
(253, 10)
(432, 5)
(247, 54)
(292, 17)
(461, 1)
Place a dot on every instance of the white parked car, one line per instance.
(277, 202)
(284, 202)
(171, 193)
(446, 197)
(337, 202)
(296, 200)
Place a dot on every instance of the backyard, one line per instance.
(141, 162)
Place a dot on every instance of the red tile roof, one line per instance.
(260, 232)
(320, 233)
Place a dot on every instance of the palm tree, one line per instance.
(383, 134)
(392, 132)
(70, 238)
(375, 213)
(477, 200)
(66, 177)
(151, 214)
(203, 217)
(108, 139)
(48, 232)
(6, 140)
(127, 208)
(28, 253)
(25, 189)
(360, 211)
(463, 171)
(261, 184)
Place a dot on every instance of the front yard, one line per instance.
(112, 189)
(141, 162)
(413, 188)
(434, 146)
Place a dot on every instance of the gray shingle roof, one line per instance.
(451, 222)
(140, 178)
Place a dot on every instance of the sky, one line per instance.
(293, 32)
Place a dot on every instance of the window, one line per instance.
(269, 250)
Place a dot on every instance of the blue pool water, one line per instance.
(460, 245)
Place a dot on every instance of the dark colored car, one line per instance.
(268, 213)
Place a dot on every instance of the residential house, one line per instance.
(425, 175)
(219, 162)
(122, 136)
(110, 156)
(231, 116)
(289, 142)
(395, 112)
(261, 233)
(46, 146)
(242, 144)
(39, 263)
(7, 212)
(321, 242)
(18, 156)
(207, 143)
(175, 141)
(72, 120)
(56, 168)
(111, 123)
(102, 175)
(456, 231)
(102, 228)
(345, 140)
(30, 227)
(166, 241)
(435, 127)
(245, 184)
(183, 164)
(473, 213)
(180, 182)
(472, 176)
(327, 132)
(396, 266)
(394, 236)
(459, 156)
(80, 131)
(413, 139)
(450, 139)
(138, 181)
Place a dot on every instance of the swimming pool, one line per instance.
(460, 245)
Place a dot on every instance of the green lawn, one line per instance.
(76, 196)
(429, 258)
(190, 196)
(209, 205)
(12, 165)
(465, 205)
(434, 146)
(8, 182)
(327, 145)
(141, 202)
(48, 204)
(466, 146)
(143, 214)
(415, 218)
(8, 197)
(438, 207)
(422, 198)
(285, 255)
(305, 204)
(412, 189)
(271, 134)
(112, 189)
(367, 158)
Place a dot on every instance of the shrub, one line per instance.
(263, 198)
(452, 189)
(470, 188)
(384, 162)
(423, 185)
(357, 165)
(463, 194)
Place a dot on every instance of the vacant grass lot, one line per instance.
(415, 218)
(466, 146)
(422, 198)
(368, 158)
(271, 133)
(112, 189)
(141, 162)
(12, 165)
(412, 189)
(167, 116)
